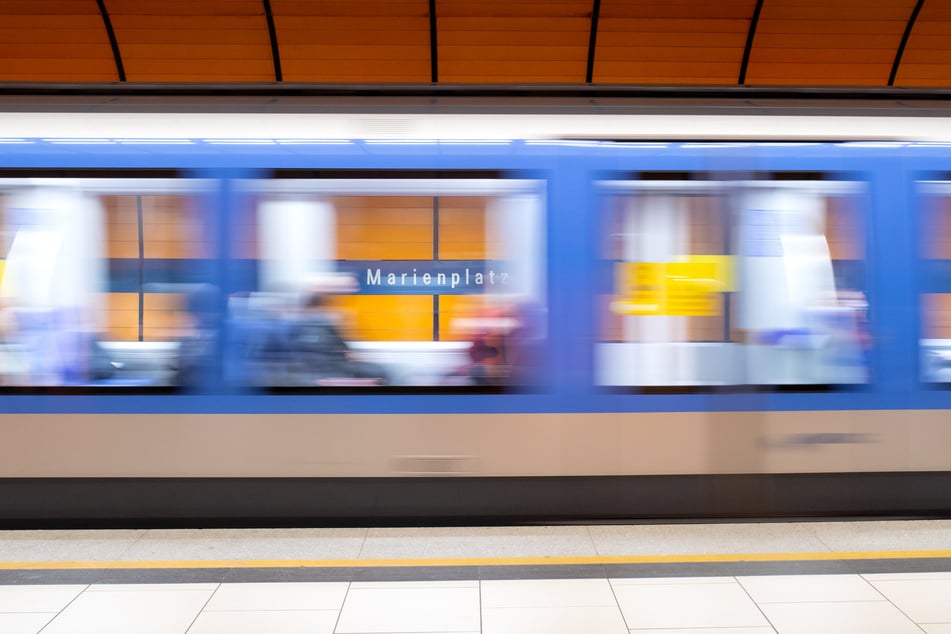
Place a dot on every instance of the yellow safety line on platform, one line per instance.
(471, 561)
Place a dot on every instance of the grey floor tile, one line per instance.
(885, 535)
(251, 544)
(696, 539)
(159, 575)
(522, 541)
(728, 568)
(923, 565)
(66, 545)
(416, 573)
(47, 577)
(549, 571)
(263, 575)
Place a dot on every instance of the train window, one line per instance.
(742, 282)
(97, 272)
(935, 227)
(367, 281)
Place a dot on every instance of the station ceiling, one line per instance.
(862, 43)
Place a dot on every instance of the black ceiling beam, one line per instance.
(520, 91)
(272, 36)
(433, 43)
(904, 41)
(524, 92)
(750, 36)
(113, 42)
(593, 40)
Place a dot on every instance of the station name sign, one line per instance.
(423, 277)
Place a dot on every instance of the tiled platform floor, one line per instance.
(816, 577)
(887, 603)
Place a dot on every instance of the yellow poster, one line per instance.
(685, 288)
(641, 288)
(690, 289)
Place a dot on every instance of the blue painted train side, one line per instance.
(569, 171)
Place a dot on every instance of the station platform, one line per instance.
(750, 578)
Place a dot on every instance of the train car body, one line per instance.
(702, 328)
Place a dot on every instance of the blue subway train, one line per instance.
(291, 328)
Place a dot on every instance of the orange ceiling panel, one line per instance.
(499, 41)
(192, 41)
(636, 42)
(50, 41)
(927, 57)
(826, 42)
(348, 41)
(671, 42)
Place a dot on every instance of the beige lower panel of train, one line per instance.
(305, 445)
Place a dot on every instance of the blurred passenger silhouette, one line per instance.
(198, 351)
(507, 344)
(320, 354)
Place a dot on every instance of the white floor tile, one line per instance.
(410, 610)
(667, 581)
(906, 576)
(539, 593)
(271, 622)
(936, 628)
(24, 623)
(207, 588)
(708, 630)
(871, 617)
(923, 600)
(687, 605)
(278, 596)
(37, 598)
(130, 611)
(802, 588)
(566, 620)
(383, 585)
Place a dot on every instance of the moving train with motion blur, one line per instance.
(323, 318)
